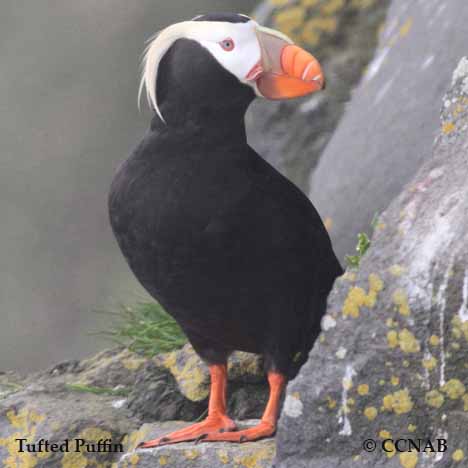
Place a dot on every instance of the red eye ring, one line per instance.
(227, 44)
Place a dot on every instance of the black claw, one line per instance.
(243, 438)
(165, 439)
(222, 430)
(200, 438)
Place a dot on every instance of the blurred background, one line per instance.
(68, 98)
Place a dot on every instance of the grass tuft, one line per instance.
(146, 329)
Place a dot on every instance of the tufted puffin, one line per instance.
(233, 250)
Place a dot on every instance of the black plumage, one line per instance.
(234, 251)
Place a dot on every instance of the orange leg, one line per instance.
(216, 421)
(267, 426)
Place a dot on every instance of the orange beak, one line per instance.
(285, 70)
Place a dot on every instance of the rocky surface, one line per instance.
(110, 396)
(391, 362)
(342, 34)
(388, 128)
(188, 455)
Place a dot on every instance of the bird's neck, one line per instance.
(210, 123)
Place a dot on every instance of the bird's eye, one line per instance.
(227, 44)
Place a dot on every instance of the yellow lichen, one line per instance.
(459, 328)
(465, 402)
(458, 455)
(223, 457)
(408, 459)
(391, 323)
(411, 427)
(363, 389)
(255, 459)
(331, 403)
(370, 413)
(392, 339)
(390, 449)
(290, 18)
(400, 299)
(134, 459)
(434, 340)
(332, 7)
(193, 381)
(78, 459)
(74, 460)
(309, 3)
(434, 398)
(397, 270)
(279, 3)
(375, 283)
(429, 363)
(362, 4)
(400, 402)
(133, 363)
(357, 297)
(163, 461)
(25, 421)
(191, 454)
(408, 342)
(454, 389)
(394, 380)
(383, 434)
(354, 300)
(406, 363)
(448, 127)
(315, 27)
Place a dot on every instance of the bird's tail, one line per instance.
(317, 310)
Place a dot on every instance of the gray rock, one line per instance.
(155, 396)
(342, 34)
(38, 412)
(110, 395)
(188, 455)
(387, 130)
(391, 362)
(248, 389)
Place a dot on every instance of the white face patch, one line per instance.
(245, 52)
(238, 60)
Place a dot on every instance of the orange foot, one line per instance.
(262, 430)
(215, 423)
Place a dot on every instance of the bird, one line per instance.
(231, 248)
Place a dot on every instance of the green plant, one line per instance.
(82, 388)
(361, 248)
(146, 329)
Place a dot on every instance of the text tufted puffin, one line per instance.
(233, 250)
